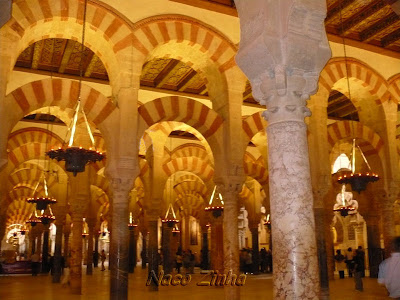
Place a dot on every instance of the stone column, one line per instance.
(57, 270)
(230, 191)
(186, 240)
(76, 253)
(166, 248)
(319, 214)
(66, 246)
(388, 223)
(374, 245)
(255, 253)
(204, 248)
(96, 247)
(39, 241)
(132, 249)
(217, 247)
(119, 244)
(89, 263)
(153, 250)
(143, 255)
(282, 58)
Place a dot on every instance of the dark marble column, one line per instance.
(319, 214)
(96, 249)
(255, 253)
(217, 245)
(166, 248)
(33, 242)
(38, 248)
(66, 253)
(45, 252)
(231, 236)
(153, 251)
(89, 261)
(132, 249)
(119, 243)
(204, 250)
(57, 270)
(144, 250)
(375, 253)
(76, 253)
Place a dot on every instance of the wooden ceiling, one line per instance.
(370, 22)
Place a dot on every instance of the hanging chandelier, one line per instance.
(33, 220)
(358, 181)
(132, 224)
(170, 217)
(76, 158)
(267, 222)
(46, 217)
(216, 204)
(42, 202)
(343, 206)
(175, 230)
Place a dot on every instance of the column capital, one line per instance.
(283, 49)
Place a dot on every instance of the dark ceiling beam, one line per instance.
(66, 55)
(182, 85)
(335, 9)
(159, 80)
(369, 33)
(365, 13)
(391, 38)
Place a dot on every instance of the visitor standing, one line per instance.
(350, 261)
(340, 263)
(103, 258)
(389, 271)
(358, 269)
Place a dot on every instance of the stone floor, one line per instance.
(96, 287)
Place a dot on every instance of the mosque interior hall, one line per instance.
(228, 149)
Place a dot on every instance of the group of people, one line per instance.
(249, 265)
(389, 269)
(185, 258)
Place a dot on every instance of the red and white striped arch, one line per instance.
(190, 164)
(350, 129)
(154, 31)
(372, 80)
(26, 152)
(257, 171)
(190, 150)
(57, 92)
(394, 88)
(252, 125)
(180, 109)
(107, 32)
(18, 212)
(33, 135)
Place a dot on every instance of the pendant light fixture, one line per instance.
(344, 207)
(358, 181)
(170, 217)
(132, 224)
(77, 157)
(216, 204)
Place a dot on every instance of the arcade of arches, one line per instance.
(180, 108)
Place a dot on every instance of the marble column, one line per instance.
(132, 249)
(166, 248)
(388, 224)
(32, 236)
(204, 249)
(66, 253)
(282, 59)
(76, 253)
(319, 214)
(255, 255)
(231, 234)
(119, 244)
(89, 260)
(96, 248)
(143, 255)
(186, 241)
(57, 269)
(217, 247)
(153, 250)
